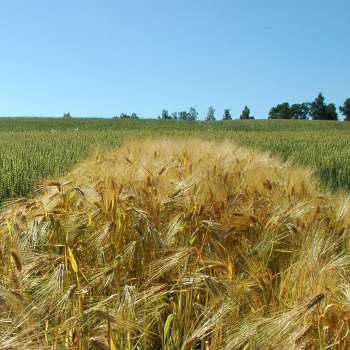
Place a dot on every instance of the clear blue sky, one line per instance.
(101, 58)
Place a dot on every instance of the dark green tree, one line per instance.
(245, 113)
(174, 116)
(210, 114)
(183, 115)
(128, 116)
(281, 111)
(192, 114)
(345, 110)
(67, 115)
(165, 114)
(227, 115)
(300, 110)
(332, 112)
(319, 110)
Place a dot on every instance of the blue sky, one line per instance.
(101, 58)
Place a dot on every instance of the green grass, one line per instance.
(33, 148)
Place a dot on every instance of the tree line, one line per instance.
(316, 110)
(192, 114)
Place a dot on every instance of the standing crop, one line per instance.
(177, 245)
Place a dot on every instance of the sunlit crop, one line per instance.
(35, 148)
(185, 244)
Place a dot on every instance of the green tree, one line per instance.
(128, 116)
(183, 115)
(300, 110)
(281, 111)
(210, 114)
(227, 115)
(192, 114)
(67, 115)
(174, 116)
(332, 112)
(319, 110)
(165, 114)
(345, 109)
(245, 113)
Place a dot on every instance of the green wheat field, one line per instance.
(36, 148)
